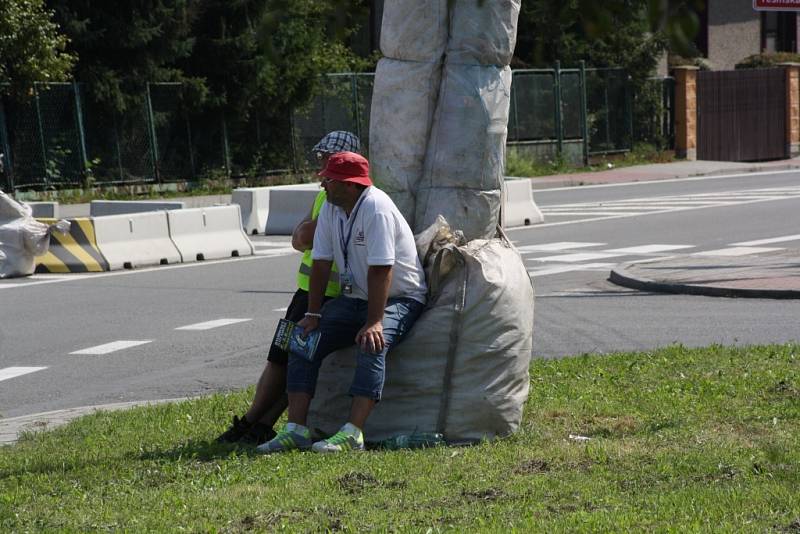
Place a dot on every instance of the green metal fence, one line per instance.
(59, 137)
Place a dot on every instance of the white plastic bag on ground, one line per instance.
(21, 238)
(483, 33)
(414, 30)
(463, 368)
(403, 103)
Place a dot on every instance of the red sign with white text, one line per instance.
(776, 5)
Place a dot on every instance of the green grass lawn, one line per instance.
(680, 440)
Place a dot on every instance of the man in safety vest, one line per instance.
(270, 401)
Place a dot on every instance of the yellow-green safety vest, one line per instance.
(304, 274)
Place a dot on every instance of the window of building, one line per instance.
(778, 31)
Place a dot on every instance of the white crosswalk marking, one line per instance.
(555, 247)
(578, 256)
(736, 251)
(208, 325)
(649, 249)
(13, 372)
(108, 348)
(769, 241)
(544, 271)
(649, 205)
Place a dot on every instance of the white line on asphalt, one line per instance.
(264, 244)
(280, 309)
(570, 268)
(648, 249)
(78, 277)
(13, 372)
(592, 213)
(555, 247)
(769, 241)
(736, 251)
(272, 252)
(621, 216)
(578, 256)
(208, 325)
(108, 348)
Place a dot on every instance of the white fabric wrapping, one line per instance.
(403, 103)
(462, 371)
(466, 151)
(483, 34)
(414, 30)
(22, 238)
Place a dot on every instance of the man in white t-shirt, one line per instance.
(383, 292)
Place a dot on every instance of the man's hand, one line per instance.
(370, 338)
(309, 324)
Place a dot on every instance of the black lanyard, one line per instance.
(351, 221)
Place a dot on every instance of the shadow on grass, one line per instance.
(199, 450)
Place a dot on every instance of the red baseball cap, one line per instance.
(347, 167)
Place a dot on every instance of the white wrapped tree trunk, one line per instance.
(403, 103)
(466, 151)
(414, 30)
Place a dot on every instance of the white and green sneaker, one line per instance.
(291, 437)
(349, 438)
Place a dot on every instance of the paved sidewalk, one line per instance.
(662, 171)
(772, 275)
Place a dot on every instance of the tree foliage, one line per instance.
(31, 47)
(124, 44)
(228, 54)
(566, 32)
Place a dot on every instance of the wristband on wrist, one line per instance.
(317, 315)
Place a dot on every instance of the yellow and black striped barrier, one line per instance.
(74, 252)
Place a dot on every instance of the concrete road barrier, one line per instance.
(99, 208)
(519, 209)
(135, 240)
(274, 210)
(74, 252)
(209, 233)
(44, 210)
(288, 205)
(254, 205)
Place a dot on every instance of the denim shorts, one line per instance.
(342, 318)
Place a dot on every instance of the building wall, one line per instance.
(734, 32)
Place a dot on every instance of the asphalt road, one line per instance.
(58, 328)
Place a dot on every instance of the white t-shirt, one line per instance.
(379, 235)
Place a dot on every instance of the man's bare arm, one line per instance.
(303, 234)
(320, 271)
(379, 280)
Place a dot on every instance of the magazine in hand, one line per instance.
(289, 337)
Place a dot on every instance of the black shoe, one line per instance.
(237, 430)
(259, 433)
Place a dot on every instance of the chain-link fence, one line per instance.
(59, 137)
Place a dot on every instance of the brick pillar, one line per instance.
(792, 108)
(686, 112)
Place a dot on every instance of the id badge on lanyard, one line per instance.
(346, 280)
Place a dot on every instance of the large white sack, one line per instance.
(414, 30)
(22, 238)
(463, 368)
(403, 104)
(483, 33)
(466, 151)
